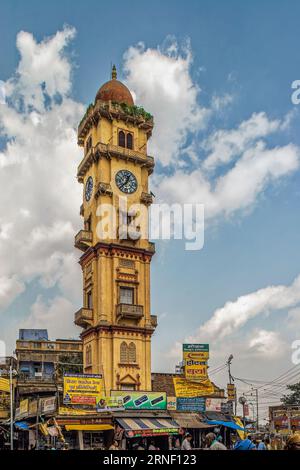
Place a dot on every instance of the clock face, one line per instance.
(89, 188)
(126, 181)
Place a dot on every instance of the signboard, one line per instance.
(184, 388)
(191, 404)
(195, 358)
(82, 389)
(171, 403)
(109, 403)
(213, 404)
(66, 411)
(141, 400)
(231, 392)
(48, 405)
(33, 408)
(24, 407)
(4, 385)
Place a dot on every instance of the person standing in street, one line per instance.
(245, 444)
(187, 442)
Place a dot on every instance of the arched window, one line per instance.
(123, 353)
(88, 355)
(129, 141)
(121, 139)
(131, 352)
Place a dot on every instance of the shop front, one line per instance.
(190, 422)
(83, 432)
(141, 432)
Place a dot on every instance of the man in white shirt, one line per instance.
(186, 443)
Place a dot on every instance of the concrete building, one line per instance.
(41, 362)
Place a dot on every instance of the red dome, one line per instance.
(114, 90)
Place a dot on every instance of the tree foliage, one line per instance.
(292, 398)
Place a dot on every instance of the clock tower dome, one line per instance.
(116, 253)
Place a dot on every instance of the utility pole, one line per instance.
(257, 422)
(229, 360)
(11, 407)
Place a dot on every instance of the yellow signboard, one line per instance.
(65, 411)
(4, 385)
(231, 393)
(24, 406)
(82, 389)
(195, 357)
(187, 389)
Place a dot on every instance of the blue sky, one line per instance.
(246, 51)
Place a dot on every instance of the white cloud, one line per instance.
(224, 145)
(55, 315)
(267, 344)
(40, 198)
(162, 83)
(235, 190)
(293, 318)
(235, 314)
(10, 287)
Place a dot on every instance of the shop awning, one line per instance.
(22, 425)
(88, 427)
(140, 427)
(190, 421)
(227, 424)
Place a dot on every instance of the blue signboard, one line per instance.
(191, 404)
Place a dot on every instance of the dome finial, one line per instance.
(114, 72)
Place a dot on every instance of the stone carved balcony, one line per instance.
(83, 240)
(146, 199)
(153, 320)
(84, 317)
(129, 311)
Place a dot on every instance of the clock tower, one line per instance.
(116, 253)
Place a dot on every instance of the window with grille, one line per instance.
(126, 295)
(89, 300)
(88, 354)
(131, 352)
(122, 139)
(124, 352)
(129, 140)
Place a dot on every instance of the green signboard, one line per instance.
(195, 347)
(141, 400)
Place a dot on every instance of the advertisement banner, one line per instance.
(231, 393)
(24, 407)
(195, 358)
(184, 388)
(141, 400)
(48, 405)
(4, 385)
(171, 403)
(213, 404)
(82, 389)
(105, 403)
(191, 404)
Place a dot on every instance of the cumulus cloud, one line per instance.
(40, 198)
(235, 314)
(267, 344)
(162, 83)
(55, 315)
(224, 145)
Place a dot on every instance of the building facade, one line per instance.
(41, 362)
(116, 316)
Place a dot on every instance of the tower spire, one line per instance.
(114, 72)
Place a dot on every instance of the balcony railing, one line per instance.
(84, 317)
(129, 311)
(45, 378)
(113, 150)
(83, 240)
